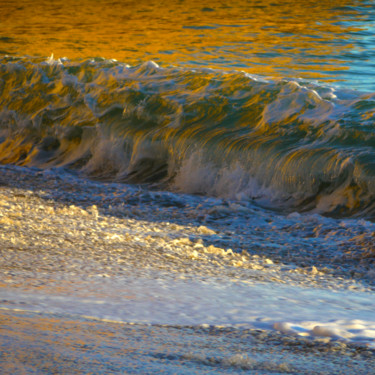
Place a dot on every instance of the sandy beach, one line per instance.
(108, 275)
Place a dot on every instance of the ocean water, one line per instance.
(251, 119)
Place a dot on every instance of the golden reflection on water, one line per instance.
(268, 37)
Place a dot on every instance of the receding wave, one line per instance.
(286, 144)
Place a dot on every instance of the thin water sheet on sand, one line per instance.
(33, 343)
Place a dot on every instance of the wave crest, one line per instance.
(283, 143)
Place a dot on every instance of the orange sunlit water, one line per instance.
(273, 37)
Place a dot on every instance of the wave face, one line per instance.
(286, 144)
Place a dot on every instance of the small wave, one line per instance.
(287, 144)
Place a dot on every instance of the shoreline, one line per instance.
(236, 234)
(74, 248)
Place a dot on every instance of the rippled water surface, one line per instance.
(326, 40)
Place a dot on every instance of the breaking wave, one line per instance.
(286, 144)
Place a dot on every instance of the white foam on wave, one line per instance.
(294, 99)
(151, 64)
(198, 176)
(52, 61)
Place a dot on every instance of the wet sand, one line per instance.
(33, 343)
(111, 278)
